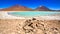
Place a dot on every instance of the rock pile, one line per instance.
(29, 26)
(41, 27)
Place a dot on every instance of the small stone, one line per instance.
(34, 19)
(42, 24)
(31, 30)
(37, 20)
(44, 29)
(45, 33)
(26, 21)
(56, 29)
(30, 24)
(29, 20)
(36, 25)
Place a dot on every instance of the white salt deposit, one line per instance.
(4, 15)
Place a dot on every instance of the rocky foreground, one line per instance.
(29, 26)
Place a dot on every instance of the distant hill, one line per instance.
(42, 8)
(16, 8)
(0, 8)
(23, 8)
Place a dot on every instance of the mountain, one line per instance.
(42, 8)
(23, 8)
(16, 8)
(0, 8)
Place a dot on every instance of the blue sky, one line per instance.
(52, 4)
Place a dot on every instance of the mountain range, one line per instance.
(23, 8)
(16, 8)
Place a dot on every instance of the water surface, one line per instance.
(32, 14)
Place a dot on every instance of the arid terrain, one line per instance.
(29, 26)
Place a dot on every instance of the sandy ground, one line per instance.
(9, 26)
(30, 26)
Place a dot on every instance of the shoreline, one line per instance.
(27, 11)
(4, 15)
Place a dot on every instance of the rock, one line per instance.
(33, 18)
(29, 26)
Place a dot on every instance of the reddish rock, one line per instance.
(17, 8)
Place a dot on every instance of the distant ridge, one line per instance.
(16, 8)
(42, 8)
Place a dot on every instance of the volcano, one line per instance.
(16, 8)
(42, 8)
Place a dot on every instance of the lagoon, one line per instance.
(32, 13)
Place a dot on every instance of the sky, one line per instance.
(52, 4)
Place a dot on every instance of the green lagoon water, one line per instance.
(32, 14)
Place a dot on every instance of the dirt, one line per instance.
(29, 26)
